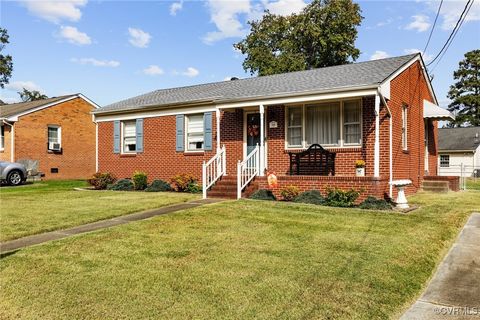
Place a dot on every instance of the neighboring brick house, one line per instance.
(383, 112)
(58, 132)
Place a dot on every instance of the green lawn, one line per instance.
(473, 183)
(54, 205)
(239, 260)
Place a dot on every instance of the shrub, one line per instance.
(194, 187)
(158, 186)
(263, 194)
(101, 180)
(122, 185)
(289, 192)
(373, 203)
(341, 198)
(139, 180)
(182, 181)
(311, 196)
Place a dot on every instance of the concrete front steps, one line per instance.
(435, 186)
(226, 188)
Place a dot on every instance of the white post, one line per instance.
(262, 140)
(376, 154)
(204, 180)
(239, 180)
(224, 160)
(257, 160)
(217, 114)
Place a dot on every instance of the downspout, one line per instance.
(12, 140)
(390, 152)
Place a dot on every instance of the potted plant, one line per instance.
(360, 168)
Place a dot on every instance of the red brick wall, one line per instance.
(78, 139)
(410, 87)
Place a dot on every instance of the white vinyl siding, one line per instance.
(129, 136)
(195, 132)
(337, 124)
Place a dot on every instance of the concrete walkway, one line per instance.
(102, 224)
(454, 291)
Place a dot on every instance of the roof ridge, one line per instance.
(49, 98)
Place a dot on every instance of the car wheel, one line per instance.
(14, 178)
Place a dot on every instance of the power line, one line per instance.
(453, 32)
(460, 25)
(433, 27)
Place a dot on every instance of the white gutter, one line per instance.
(390, 152)
(12, 140)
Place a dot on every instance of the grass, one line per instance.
(239, 260)
(53, 205)
(473, 183)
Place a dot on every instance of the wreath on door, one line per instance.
(253, 130)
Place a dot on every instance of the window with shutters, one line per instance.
(129, 136)
(195, 135)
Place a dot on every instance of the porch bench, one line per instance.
(315, 161)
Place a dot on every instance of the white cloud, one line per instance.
(139, 38)
(285, 7)
(225, 16)
(451, 11)
(420, 23)
(96, 63)
(54, 10)
(191, 72)
(426, 57)
(153, 70)
(175, 7)
(19, 85)
(379, 55)
(72, 35)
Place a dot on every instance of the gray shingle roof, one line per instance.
(322, 79)
(12, 109)
(454, 139)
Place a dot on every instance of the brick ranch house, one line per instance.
(232, 134)
(57, 132)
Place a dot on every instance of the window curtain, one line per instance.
(294, 126)
(322, 124)
(351, 115)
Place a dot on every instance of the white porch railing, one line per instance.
(213, 170)
(247, 170)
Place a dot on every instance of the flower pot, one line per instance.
(360, 172)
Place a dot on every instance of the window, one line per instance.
(351, 122)
(195, 132)
(444, 161)
(294, 129)
(328, 124)
(54, 138)
(2, 137)
(404, 127)
(129, 136)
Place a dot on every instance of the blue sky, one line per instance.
(111, 50)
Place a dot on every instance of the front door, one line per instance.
(253, 131)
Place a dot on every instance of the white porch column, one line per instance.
(262, 140)
(217, 115)
(376, 152)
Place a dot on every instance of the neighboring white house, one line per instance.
(459, 152)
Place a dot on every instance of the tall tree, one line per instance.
(322, 35)
(465, 93)
(27, 95)
(6, 64)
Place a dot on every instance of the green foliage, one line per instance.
(311, 196)
(101, 180)
(122, 185)
(139, 179)
(6, 64)
(289, 192)
(27, 95)
(322, 35)
(182, 182)
(465, 93)
(373, 203)
(194, 187)
(341, 198)
(263, 194)
(158, 186)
